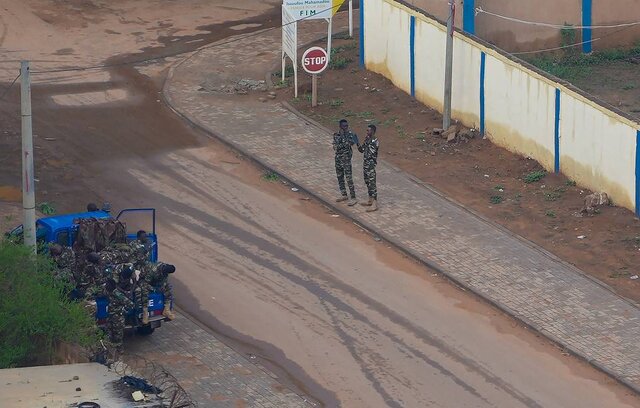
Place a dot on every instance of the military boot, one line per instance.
(368, 203)
(352, 202)
(145, 315)
(374, 206)
(168, 313)
(341, 199)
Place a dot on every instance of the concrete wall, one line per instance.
(516, 107)
(514, 37)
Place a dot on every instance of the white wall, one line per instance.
(597, 146)
(520, 111)
(597, 150)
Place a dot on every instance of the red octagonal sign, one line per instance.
(315, 60)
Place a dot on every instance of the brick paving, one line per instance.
(551, 296)
(213, 374)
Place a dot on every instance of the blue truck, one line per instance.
(63, 230)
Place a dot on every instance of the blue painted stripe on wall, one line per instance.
(361, 33)
(469, 16)
(412, 54)
(556, 137)
(638, 173)
(587, 11)
(483, 63)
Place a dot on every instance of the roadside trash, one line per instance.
(75, 377)
(294, 189)
(335, 215)
(582, 236)
(78, 389)
(634, 277)
(137, 396)
(140, 384)
(486, 175)
(594, 201)
(377, 239)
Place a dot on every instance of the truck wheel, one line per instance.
(145, 330)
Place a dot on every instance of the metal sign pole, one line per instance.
(351, 18)
(314, 90)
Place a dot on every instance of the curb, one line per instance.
(429, 263)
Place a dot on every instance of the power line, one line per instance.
(6, 91)
(479, 10)
(554, 49)
(145, 60)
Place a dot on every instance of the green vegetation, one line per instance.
(46, 208)
(550, 213)
(534, 176)
(573, 65)
(337, 61)
(570, 183)
(334, 103)
(270, 176)
(35, 312)
(496, 199)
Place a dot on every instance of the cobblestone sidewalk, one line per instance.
(211, 373)
(520, 278)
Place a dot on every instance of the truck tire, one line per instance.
(145, 330)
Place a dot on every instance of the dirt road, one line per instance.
(350, 321)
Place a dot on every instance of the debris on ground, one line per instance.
(241, 87)
(593, 202)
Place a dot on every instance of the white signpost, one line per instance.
(296, 10)
(290, 45)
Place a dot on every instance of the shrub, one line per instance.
(35, 312)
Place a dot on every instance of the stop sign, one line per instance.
(315, 60)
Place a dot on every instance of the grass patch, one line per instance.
(334, 103)
(570, 183)
(534, 176)
(46, 208)
(496, 199)
(339, 62)
(499, 187)
(573, 65)
(628, 87)
(270, 176)
(552, 195)
(389, 122)
(550, 214)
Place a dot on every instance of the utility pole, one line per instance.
(446, 114)
(28, 186)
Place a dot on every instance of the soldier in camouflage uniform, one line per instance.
(155, 277)
(140, 249)
(90, 275)
(370, 148)
(65, 260)
(119, 304)
(343, 141)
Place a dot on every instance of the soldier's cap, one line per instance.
(168, 268)
(93, 257)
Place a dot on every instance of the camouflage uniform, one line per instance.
(139, 253)
(119, 303)
(342, 146)
(370, 148)
(151, 279)
(66, 263)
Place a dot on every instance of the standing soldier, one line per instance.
(343, 141)
(370, 148)
(119, 303)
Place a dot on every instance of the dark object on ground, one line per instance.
(140, 384)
